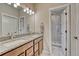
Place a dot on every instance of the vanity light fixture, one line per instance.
(15, 5)
(28, 11)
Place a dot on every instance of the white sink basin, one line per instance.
(2, 48)
(13, 43)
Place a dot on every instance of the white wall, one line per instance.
(7, 9)
(73, 29)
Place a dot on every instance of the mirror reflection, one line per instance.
(16, 19)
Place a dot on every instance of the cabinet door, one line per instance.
(29, 52)
(40, 46)
(36, 53)
(36, 47)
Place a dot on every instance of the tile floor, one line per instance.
(56, 52)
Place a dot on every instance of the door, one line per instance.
(77, 29)
(64, 32)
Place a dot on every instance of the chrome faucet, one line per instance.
(12, 36)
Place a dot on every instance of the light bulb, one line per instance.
(24, 10)
(15, 5)
(32, 12)
(27, 9)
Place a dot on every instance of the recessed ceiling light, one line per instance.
(15, 5)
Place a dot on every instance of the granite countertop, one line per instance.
(11, 44)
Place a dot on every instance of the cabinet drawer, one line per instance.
(15, 52)
(37, 40)
(29, 51)
(30, 44)
(24, 47)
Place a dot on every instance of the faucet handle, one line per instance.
(8, 34)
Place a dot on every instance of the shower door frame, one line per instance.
(50, 36)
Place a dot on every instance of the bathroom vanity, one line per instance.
(31, 45)
(16, 33)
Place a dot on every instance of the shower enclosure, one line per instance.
(60, 31)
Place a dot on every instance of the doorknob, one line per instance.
(76, 37)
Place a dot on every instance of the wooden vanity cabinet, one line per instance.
(31, 48)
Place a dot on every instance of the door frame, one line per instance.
(68, 40)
